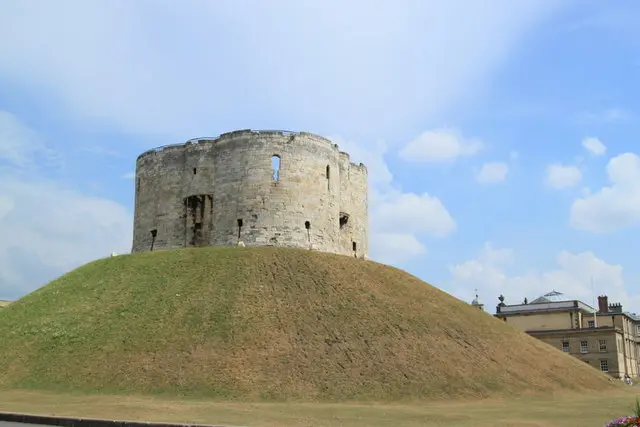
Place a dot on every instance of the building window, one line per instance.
(565, 346)
(584, 347)
(603, 345)
(604, 365)
(592, 323)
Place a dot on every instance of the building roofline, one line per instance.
(578, 331)
(568, 305)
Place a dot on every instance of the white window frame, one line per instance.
(584, 347)
(603, 345)
(565, 348)
(604, 365)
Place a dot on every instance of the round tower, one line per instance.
(252, 188)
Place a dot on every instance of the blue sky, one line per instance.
(501, 137)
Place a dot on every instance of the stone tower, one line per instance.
(256, 187)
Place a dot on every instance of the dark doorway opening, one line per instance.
(199, 219)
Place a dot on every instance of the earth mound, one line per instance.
(269, 323)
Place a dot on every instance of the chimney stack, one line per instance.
(603, 304)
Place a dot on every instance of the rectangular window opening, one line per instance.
(604, 365)
(603, 345)
(584, 347)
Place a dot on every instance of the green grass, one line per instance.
(561, 410)
(269, 324)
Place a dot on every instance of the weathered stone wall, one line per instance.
(221, 191)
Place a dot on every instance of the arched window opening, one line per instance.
(275, 165)
(239, 228)
(307, 225)
(343, 219)
(194, 171)
(355, 249)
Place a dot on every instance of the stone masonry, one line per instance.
(260, 188)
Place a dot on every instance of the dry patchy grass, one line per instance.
(269, 324)
(566, 410)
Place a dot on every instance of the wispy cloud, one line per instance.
(375, 67)
(74, 228)
(101, 151)
(611, 115)
(21, 147)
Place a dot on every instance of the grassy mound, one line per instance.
(268, 323)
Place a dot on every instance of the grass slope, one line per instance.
(268, 323)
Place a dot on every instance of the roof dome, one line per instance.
(476, 300)
(553, 296)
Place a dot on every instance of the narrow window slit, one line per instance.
(239, 228)
(307, 225)
(275, 165)
(154, 233)
(328, 176)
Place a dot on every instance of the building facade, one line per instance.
(607, 338)
(254, 188)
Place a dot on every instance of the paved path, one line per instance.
(7, 424)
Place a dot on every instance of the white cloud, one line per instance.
(492, 172)
(341, 59)
(413, 213)
(439, 145)
(128, 175)
(101, 151)
(616, 206)
(397, 219)
(594, 146)
(48, 229)
(20, 146)
(572, 276)
(611, 115)
(136, 67)
(561, 176)
(395, 248)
